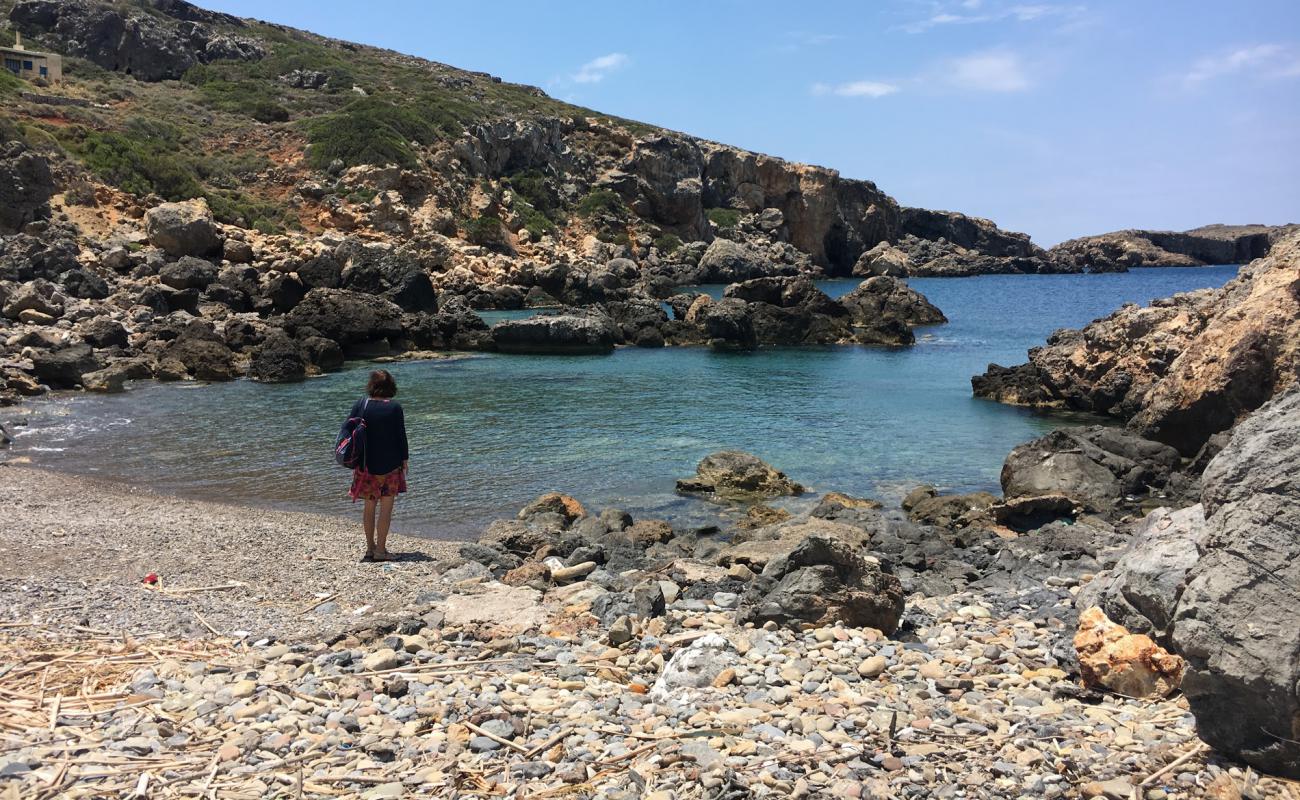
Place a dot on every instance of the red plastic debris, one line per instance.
(150, 579)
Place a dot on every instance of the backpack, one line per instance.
(350, 445)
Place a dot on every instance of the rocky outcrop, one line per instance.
(970, 233)
(1180, 369)
(153, 45)
(25, 186)
(563, 334)
(1128, 249)
(1238, 617)
(732, 475)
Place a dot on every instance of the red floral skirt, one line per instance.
(372, 487)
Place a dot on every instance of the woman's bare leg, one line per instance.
(385, 520)
(368, 523)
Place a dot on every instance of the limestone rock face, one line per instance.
(1238, 621)
(733, 475)
(1180, 369)
(183, 229)
(1127, 663)
(1212, 244)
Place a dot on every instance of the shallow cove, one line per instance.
(490, 432)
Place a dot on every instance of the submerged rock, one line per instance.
(732, 475)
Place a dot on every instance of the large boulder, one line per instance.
(349, 318)
(823, 582)
(25, 186)
(883, 259)
(1095, 465)
(1180, 369)
(205, 355)
(183, 229)
(279, 359)
(188, 272)
(727, 324)
(732, 475)
(727, 262)
(563, 334)
(1238, 621)
(64, 368)
(1143, 588)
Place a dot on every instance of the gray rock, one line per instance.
(1237, 620)
(25, 186)
(188, 272)
(823, 581)
(183, 229)
(279, 359)
(695, 666)
(1142, 590)
(1095, 465)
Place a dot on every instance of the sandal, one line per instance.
(368, 558)
(384, 557)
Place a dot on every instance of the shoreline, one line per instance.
(88, 542)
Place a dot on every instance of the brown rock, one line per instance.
(530, 574)
(554, 503)
(1126, 663)
(1180, 369)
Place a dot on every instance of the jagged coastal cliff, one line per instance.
(197, 197)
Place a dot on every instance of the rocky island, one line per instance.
(204, 198)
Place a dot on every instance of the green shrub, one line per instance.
(531, 186)
(142, 159)
(668, 243)
(601, 201)
(10, 84)
(367, 131)
(247, 98)
(724, 218)
(10, 131)
(236, 208)
(486, 231)
(535, 222)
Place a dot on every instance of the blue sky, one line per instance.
(1055, 118)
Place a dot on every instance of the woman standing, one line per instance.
(382, 476)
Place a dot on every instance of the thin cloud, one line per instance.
(989, 71)
(966, 13)
(1266, 60)
(869, 89)
(802, 40)
(597, 69)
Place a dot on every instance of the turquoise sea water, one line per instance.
(490, 432)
